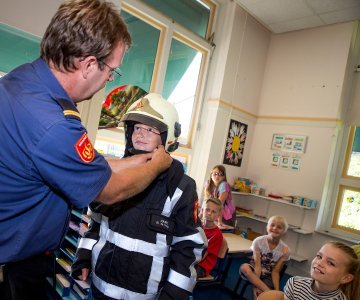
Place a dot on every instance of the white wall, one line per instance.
(301, 94)
(30, 16)
(233, 89)
(305, 72)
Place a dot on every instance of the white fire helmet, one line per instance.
(153, 110)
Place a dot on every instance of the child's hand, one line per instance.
(84, 274)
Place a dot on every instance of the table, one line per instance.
(226, 228)
(238, 247)
(237, 244)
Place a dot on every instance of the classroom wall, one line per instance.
(20, 14)
(301, 94)
(232, 90)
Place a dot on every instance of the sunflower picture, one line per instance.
(235, 143)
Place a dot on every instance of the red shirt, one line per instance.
(215, 237)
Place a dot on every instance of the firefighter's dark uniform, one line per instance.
(145, 247)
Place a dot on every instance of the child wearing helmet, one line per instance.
(147, 247)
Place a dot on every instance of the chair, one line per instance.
(216, 276)
(271, 295)
(246, 283)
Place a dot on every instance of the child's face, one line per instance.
(275, 229)
(145, 137)
(329, 267)
(211, 211)
(217, 176)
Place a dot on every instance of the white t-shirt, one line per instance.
(269, 258)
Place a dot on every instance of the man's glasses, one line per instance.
(115, 72)
(218, 174)
(150, 131)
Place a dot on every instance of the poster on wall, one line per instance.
(286, 161)
(275, 162)
(289, 142)
(235, 143)
(295, 163)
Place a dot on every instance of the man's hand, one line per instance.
(161, 158)
(131, 176)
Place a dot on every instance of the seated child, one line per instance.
(269, 256)
(335, 275)
(210, 212)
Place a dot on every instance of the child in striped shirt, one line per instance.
(334, 276)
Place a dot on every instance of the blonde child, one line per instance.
(210, 211)
(335, 275)
(218, 187)
(269, 256)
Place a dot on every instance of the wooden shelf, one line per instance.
(271, 199)
(264, 220)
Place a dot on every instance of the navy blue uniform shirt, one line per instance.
(42, 169)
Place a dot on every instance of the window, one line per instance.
(138, 64)
(352, 161)
(347, 210)
(341, 209)
(181, 81)
(17, 47)
(195, 15)
(166, 58)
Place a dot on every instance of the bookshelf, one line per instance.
(66, 287)
(263, 207)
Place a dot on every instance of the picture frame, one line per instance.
(235, 143)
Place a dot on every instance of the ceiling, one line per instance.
(288, 15)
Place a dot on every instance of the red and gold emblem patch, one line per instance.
(85, 149)
(195, 212)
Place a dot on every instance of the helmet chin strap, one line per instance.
(133, 151)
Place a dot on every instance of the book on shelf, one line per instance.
(78, 292)
(62, 280)
(74, 226)
(60, 289)
(76, 213)
(64, 263)
(72, 239)
(83, 228)
(244, 210)
(70, 251)
(85, 285)
(85, 218)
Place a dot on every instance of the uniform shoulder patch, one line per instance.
(85, 149)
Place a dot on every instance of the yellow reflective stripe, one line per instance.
(71, 113)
